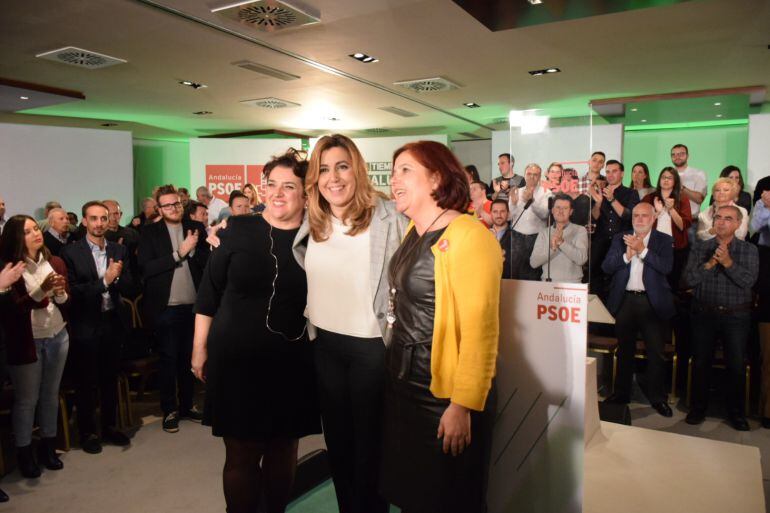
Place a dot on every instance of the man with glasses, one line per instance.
(721, 272)
(694, 181)
(172, 255)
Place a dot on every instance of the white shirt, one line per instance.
(533, 218)
(695, 180)
(635, 281)
(48, 321)
(339, 295)
(664, 222)
(100, 260)
(215, 206)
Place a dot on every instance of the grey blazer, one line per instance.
(385, 234)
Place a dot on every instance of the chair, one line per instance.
(719, 363)
(141, 368)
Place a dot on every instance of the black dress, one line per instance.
(259, 384)
(416, 475)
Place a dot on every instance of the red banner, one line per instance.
(221, 180)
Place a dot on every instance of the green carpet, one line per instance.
(320, 499)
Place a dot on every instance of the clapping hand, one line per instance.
(659, 206)
(722, 255)
(634, 245)
(526, 194)
(669, 203)
(10, 274)
(609, 192)
(596, 194)
(558, 238)
(189, 243)
(113, 271)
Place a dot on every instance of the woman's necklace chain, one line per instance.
(391, 314)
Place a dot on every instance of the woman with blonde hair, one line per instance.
(255, 201)
(724, 192)
(345, 244)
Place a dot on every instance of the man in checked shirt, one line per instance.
(722, 272)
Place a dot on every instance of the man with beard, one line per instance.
(569, 245)
(641, 301)
(694, 181)
(99, 322)
(172, 255)
(124, 235)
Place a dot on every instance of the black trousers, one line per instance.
(351, 375)
(174, 330)
(637, 316)
(96, 363)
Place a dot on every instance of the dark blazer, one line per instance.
(505, 244)
(156, 263)
(17, 322)
(53, 244)
(657, 265)
(87, 287)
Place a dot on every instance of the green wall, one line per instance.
(711, 149)
(157, 163)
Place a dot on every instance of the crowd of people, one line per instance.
(399, 295)
(667, 266)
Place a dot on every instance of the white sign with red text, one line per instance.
(536, 464)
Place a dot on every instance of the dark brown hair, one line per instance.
(162, 191)
(93, 204)
(453, 190)
(293, 159)
(12, 246)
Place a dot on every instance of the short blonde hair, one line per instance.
(727, 181)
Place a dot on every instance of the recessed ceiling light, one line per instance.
(203, 113)
(24, 97)
(634, 109)
(538, 72)
(717, 104)
(194, 85)
(362, 57)
(719, 115)
(472, 105)
(644, 121)
(536, 2)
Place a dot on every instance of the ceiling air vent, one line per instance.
(80, 58)
(265, 70)
(270, 103)
(376, 130)
(428, 85)
(269, 15)
(398, 112)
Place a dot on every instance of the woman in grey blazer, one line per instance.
(344, 245)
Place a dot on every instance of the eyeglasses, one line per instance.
(171, 206)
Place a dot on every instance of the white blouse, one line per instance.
(48, 321)
(339, 295)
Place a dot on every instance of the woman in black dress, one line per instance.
(251, 347)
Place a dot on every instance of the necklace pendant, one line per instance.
(391, 319)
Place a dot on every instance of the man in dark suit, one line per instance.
(641, 301)
(57, 235)
(172, 255)
(99, 322)
(611, 211)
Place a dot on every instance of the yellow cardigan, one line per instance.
(466, 328)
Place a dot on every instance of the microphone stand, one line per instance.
(550, 217)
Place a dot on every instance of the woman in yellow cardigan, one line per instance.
(444, 324)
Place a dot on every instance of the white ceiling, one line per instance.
(688, 46)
